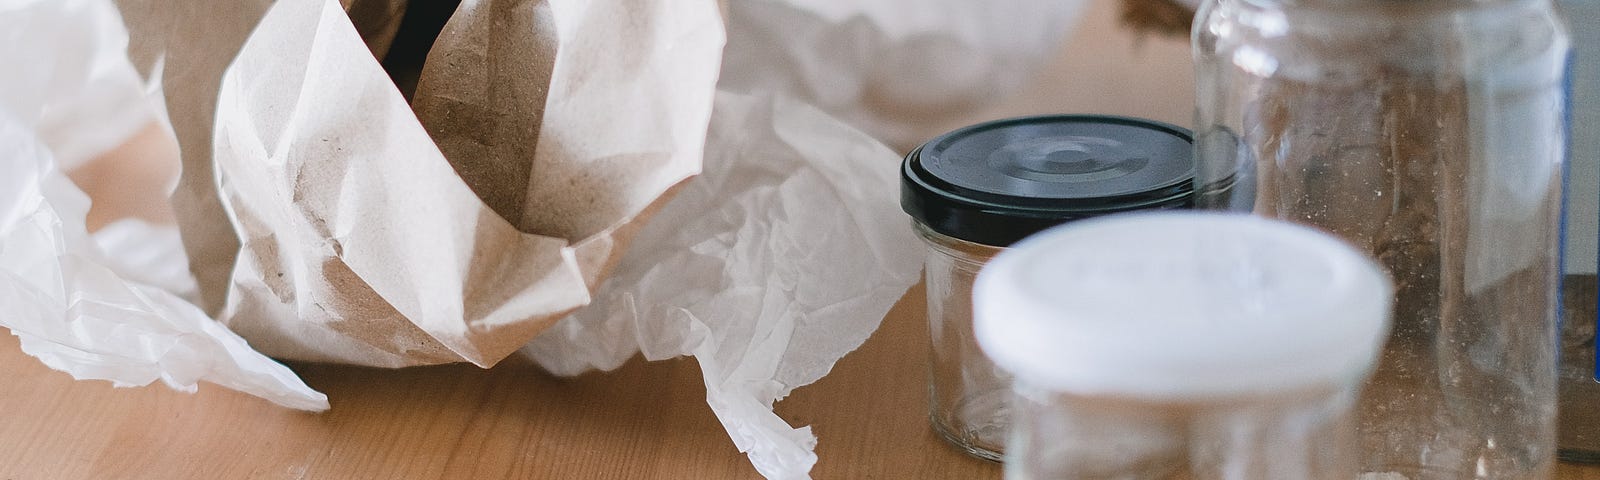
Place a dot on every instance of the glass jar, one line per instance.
(976, 190)
(966, 401)
(1429, 133)
(1182, 346)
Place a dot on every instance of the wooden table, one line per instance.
(644, 421)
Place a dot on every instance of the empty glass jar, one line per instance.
(1429, 133)
(976, 190)
(1182, 346)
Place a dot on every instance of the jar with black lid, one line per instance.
(977, 190)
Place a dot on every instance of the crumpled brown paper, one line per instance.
(768, 269)
(324, 223)
(377, 21)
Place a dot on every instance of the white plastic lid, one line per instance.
(1168, 306)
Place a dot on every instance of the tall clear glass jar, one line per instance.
(1182, 346)
(1429, 133)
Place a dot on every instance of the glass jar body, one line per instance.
(1430, 134)
(1299, 435)
(966, 391)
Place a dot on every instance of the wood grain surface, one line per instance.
(643, 421)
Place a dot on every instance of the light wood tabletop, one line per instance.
(643, 421)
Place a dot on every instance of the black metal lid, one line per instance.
(997, 182)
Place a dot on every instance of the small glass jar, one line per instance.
(976, 190)
(1431, 134)
(1183, 346)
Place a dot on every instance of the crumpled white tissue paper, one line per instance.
(148, 253)
(83, 98)
(64, 300)
(783, 256)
